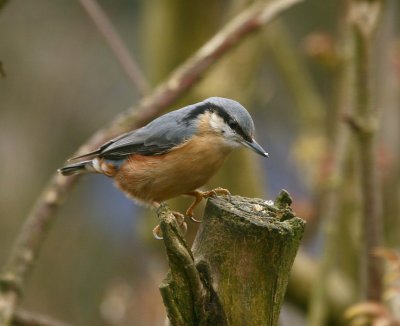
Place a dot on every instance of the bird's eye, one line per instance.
(233, 124)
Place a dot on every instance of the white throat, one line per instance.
(230, 138)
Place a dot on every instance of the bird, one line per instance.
(174, 154)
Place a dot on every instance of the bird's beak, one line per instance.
(253, 145)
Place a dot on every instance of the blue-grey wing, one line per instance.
(157, 137)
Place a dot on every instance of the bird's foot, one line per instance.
(157, 233)
(199, 195)
(180, 220)
(217, 192)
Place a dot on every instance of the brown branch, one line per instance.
(117, 46)
(364, 17)
(34, 230)
(330, 188)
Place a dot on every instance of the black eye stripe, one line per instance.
(233, 124)
(209, 107)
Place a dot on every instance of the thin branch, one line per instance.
(329, 193)
(31, 237)
(364, 16)
(117, 46)
(26, 318)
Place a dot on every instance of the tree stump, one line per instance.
(239, 268)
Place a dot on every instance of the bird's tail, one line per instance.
(76, 168)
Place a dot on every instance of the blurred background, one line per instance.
(100, 264)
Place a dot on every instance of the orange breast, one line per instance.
(161, 177)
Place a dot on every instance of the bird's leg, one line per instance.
(199, 195)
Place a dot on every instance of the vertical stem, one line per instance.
(331, 192)
(364, 16)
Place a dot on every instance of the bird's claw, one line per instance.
(218, 192)
(179, 217)
(194, 219)
(157, 233)
(180, 220)
(199, 195)
(183, 227)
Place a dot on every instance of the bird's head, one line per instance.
(233, 123)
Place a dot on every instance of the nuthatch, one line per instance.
(174, 154)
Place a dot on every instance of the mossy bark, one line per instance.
(239, 269)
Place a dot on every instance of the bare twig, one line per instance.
(34, 230)
(329, 196)
(117, 46)
(26, 318)
(364, 18)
